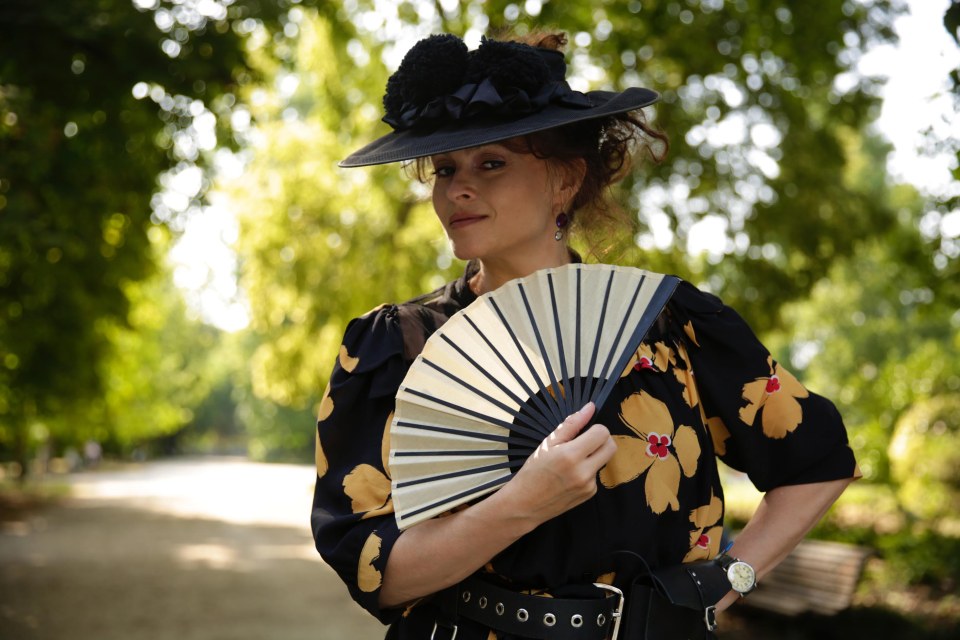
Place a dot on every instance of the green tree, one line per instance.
(116, 93)
(759, 98)
(875, 334)
(313, 238)
(160, 366)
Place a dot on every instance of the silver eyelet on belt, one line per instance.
(549, 619)
(522, 615)
(577, 620)
(482, 602)
(601, 620)
(466, 596)
(499, 608)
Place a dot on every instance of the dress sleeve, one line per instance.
(761, 419)
(352, 518)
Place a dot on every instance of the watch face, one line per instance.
(742, 576)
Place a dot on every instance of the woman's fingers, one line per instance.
(595, 441)
(574, 424)
(562, 472)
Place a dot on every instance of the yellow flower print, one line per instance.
(685, 377)
(323, 412)
(347, 362)
(553, 393)
(655, 358)
(777, 395)
(688, 329)
(719, 434)
(368, 488)
(321, 458)
(661, 454)
(708, 529)
(368, 576)
(326, 405)
(607, 578)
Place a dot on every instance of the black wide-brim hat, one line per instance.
(444, 98)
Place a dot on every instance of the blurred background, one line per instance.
(179, 255)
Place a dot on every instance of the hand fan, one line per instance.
(502, 373)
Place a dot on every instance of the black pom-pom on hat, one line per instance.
(444, 97)
(508, 64)
(433, 67)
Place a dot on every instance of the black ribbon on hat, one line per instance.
(504, 80)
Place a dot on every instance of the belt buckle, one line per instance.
(617, 613)
(436, 626)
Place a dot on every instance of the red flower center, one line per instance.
(703, 541)
(658, 445)
(773, 384)
(644, 363)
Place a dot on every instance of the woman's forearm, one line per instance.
(558, 476)
(785, 515)
(443, 551)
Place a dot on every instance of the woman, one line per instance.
(628, 497)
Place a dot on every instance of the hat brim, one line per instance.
(409, 144)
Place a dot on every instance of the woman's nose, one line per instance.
(460, 187)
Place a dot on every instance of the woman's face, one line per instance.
(495, 203)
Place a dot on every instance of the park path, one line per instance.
(175, 550)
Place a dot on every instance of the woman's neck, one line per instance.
(494, 272)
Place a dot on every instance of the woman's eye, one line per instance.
(492, 164)
(443, 172)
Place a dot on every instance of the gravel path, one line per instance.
(182, 550)
(204, 549)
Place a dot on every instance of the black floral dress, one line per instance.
(701, 386)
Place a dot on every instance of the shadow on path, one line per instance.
(221, 550)
(91, 570)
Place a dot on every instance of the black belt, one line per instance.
(536, 616)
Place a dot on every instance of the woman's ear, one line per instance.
(570, 175)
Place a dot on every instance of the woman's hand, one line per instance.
(440, 552)
(562, 472)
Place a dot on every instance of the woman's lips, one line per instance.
(463, 220)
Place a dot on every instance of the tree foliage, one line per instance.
(97, 99)
(758, 98)
(767, 124)
(321, 245)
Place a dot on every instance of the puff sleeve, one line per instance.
(761, 419)
(352, 517)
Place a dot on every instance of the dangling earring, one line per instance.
(562, 221)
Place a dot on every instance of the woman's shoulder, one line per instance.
(691, 299)
(707, 322)
(398, 328)
(371, 339)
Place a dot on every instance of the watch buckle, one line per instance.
(710, 617)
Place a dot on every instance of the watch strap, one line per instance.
(697, 585)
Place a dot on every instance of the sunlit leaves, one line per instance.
(116, 94)
(318, 244)
(756, 95)
(877, 338)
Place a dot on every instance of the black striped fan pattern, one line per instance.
(501, 374)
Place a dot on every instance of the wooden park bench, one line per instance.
(817, 577)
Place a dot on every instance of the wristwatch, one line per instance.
(741, 575)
